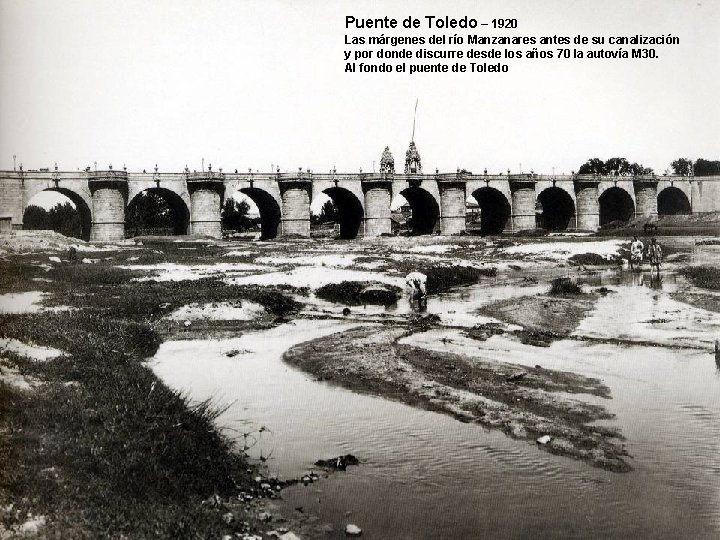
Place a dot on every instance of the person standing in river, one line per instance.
(636, 252)
(655, 256)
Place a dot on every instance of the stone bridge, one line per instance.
(438, 201)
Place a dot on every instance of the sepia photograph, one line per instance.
(314, 269)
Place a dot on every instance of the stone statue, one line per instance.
(387, 163)
(412, 160)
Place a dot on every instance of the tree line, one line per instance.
(618, 166)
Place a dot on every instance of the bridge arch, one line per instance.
(556, 209)
(424, 210)
(177, 221)
(494, 210)
(269, 211)
(672, 201)
(350, 211)
(81, 207)
(616, 204)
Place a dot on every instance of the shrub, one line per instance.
(442, 278)
(564, 286)
(355, 293)
(594, 259)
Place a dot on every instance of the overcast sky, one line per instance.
(254, 83)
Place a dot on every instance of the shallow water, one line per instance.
(24, 302)
(427, 475)
(456, 308)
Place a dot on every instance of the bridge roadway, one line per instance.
(438, 201)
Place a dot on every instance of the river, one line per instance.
(427, 475)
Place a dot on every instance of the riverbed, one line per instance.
(425, 474)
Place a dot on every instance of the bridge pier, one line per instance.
(645, 196)
(588, 204)
(523, 204)
(378, 198)
(295, 194)
(452, 204)
(109, 190)
(206, 198)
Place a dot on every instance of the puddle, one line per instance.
(181, 272)
(438, 248)
(244, 253)
(221, 311)
(646, 315)
(565, 250)
(34, 352)
(25, 302)
(11, 376)
(316, 260)
(314, 277)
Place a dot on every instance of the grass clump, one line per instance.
(102, 447)
(442, 278)
(707, 277)
(89, 286)
(564, 286)
(355, 293)
(106, 448)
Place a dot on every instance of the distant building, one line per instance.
(472, 212)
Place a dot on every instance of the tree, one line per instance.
(234, 215)
(616, 166)
(682, 166)
(62, 218)
(65, 219)
(36, 218)
(592, 166)
(328, 212)
(704, 167)
(636, 169)
(148, 211)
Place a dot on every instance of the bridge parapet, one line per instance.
(97, 179)
(458, 176)
(205, 176)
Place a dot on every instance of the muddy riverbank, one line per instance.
(525, 403)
